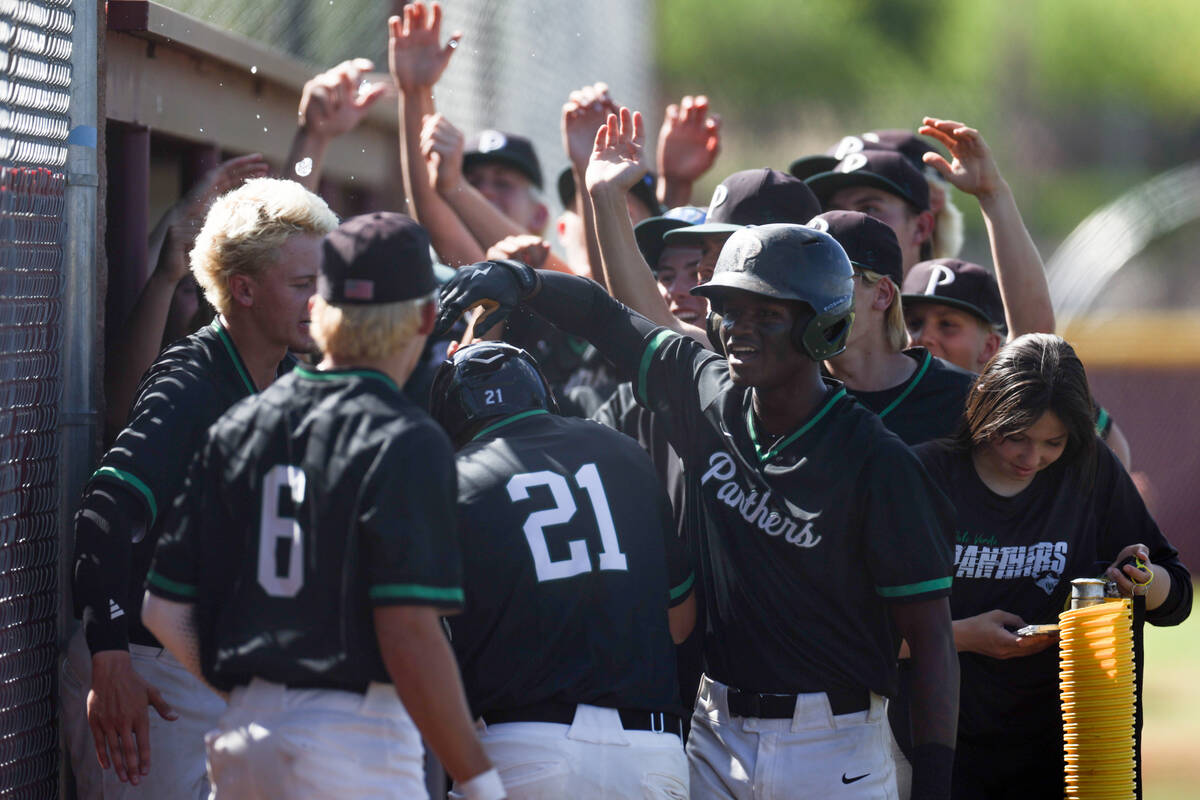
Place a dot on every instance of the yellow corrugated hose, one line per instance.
(1096, 685)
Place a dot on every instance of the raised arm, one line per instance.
(1019, 268)
(585, 111)
(616, 164)
(688, 144)
(332, 103)
(417, 58)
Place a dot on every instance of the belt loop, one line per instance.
(661, 726)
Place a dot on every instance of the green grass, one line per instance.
(1171, 766)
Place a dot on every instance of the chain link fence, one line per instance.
(35, 80)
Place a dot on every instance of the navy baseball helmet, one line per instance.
(486, 380)
(796, 263)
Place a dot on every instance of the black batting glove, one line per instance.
(497, 286)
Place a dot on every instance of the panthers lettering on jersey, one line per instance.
(840, 501)
(327, 495)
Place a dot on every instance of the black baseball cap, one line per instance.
(504, 148)
(884, 169)
(755, 197)
(902, 141)
(956, 283)
(650, 232)
(643, 190)
(376, 258)
(869, 243)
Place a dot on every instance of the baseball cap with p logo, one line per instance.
(956, 283)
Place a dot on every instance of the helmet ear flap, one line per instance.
(712, 326)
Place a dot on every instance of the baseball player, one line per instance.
(256, 258)
(309, 558)
(820, 538)
(570, 566)
(918, 396)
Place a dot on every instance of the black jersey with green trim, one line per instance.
(188, 387)
(570, 564)
(1020, 554)
(323, 497)
(929, 405)
(802, 543)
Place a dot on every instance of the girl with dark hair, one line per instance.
(1039, 501)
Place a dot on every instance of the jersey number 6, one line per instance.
(579, 562)
(280, 546)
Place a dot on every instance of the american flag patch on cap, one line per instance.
(358, 289)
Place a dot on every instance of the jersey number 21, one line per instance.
(579, 562)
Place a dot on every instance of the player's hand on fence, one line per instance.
(117, 711)
(689, 140)
(442, 144)
(495, 286)
(582, 115)
(416, 55)
(523, 247)
(617, 161)
(973, 170)
(335, 101)
(989, 634)
(1132, 578)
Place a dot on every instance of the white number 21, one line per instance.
(578, 562)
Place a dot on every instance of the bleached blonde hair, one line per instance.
(895, 332)
(245, 228)
(353, 332)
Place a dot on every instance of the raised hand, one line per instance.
(973, 170)
(416, 55)
(442, 145)
(617, 160)
(336, 100)
(689, 140)
(526, 248)
(227, 175)
(117, 714)
(582, 115)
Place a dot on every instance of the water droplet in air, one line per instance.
(304, 167)
(453, 44)
(258, 116)
(202, 130)
(264, 129)
(254, 70)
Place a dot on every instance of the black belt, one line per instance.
(783, 706)
(632, 719)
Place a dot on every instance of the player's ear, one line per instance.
(241, 289)
(991, 345)
(924, 229)
(885, 293)
(428, 318)
(541, 216)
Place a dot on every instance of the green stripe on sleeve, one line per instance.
(415, 591)
(174, 587)
(683, 588)
(648, 357)
(134, 481)
(909, 589)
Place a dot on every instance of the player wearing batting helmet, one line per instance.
(573, 571)
(311, 554)
(256, 258)
(820, 538)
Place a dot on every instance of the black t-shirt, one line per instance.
(188, 387)
(570, 565)
(927, 406)
(802, 544)
(1020, 554)
(327, 495)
